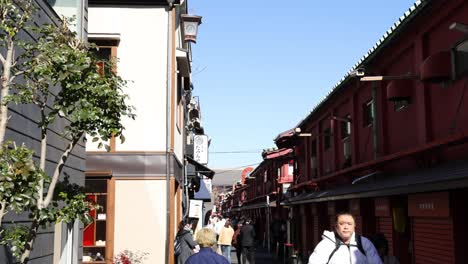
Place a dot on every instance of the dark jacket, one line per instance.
(247, 236)
(206, 256)
(187, 244)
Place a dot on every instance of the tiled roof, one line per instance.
(387, 36)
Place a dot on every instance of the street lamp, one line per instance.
(190, 25)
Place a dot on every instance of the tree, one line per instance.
(60, 76)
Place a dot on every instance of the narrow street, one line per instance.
(261, 257)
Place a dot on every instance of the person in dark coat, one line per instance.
(206, 238)
(188, 245)
(237, 243)
(247, 240)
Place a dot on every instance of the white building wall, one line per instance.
(142, 56)
(140, 220)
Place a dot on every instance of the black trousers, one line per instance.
(248, 255)
(239, 254)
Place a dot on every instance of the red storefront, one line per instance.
(389, 142)
(432, 227)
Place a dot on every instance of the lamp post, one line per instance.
(190, 25)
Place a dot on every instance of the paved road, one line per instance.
(261, 257)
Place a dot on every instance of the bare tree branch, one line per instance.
(3, 211)
(2, 59)
(57, 171)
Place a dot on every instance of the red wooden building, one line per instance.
(389, 143)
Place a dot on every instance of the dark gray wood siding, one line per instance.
(22, 128)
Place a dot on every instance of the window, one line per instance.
(327, 138)
(94, 234)
(106, 51)
(313, 148)
(103, 53)
(313, 157)
(401, 104)
(347, 153)
(67, 251)
(345, 127)
(368, 114)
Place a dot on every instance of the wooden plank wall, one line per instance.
(22, 128)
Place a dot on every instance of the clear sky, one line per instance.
(259, 67)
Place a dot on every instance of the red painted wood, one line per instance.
(433, 240)
(88, 231)
(358, 220)
(316, 231)
(385, 226)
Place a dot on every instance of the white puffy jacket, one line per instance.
(345, 253)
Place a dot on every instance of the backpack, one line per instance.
(177, 246)
(338, 244)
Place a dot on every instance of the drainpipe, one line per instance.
(375, 129)
(168, 128)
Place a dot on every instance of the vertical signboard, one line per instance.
(200, 149)
(196, 209)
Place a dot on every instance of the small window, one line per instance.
(401, 104)
(368, 114)
(327, 138)
(291, 168)
(313, 148)
(345, 127)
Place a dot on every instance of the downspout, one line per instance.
(168, 128)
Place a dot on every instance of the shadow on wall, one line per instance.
(5, 255)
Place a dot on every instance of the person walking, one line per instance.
(247, 239)
(225, 239)
(344, 245)
(187, 244)
(236, 242)
(381, 244)
(206, 238)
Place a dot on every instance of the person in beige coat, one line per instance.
(225, 239)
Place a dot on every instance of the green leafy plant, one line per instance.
(60, 76)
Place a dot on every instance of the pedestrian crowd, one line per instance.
(214, 242)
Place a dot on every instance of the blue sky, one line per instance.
(259, 67)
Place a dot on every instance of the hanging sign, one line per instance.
(200, 149)
(196, 208)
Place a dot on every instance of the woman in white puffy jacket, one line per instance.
(344, 245)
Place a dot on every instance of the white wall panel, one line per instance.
(142, 55)
(140, 222)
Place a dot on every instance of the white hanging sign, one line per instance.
(200, 149)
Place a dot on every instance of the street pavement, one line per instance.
(261, 257)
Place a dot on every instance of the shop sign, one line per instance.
(196, 209)
(200, 149)
(429, 204)
(382, 207)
